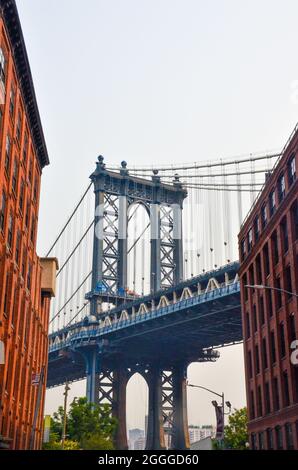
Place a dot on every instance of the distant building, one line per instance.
(140, 443)
(196, 433)
(268, 245)
(133, 436)
(27, 282)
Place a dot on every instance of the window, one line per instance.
(35, 190)
(264, 353)
(276, 403)
(242, 249)
(261, 310)
(252, 405)
(32, 235)
(254, 316)
(284, 234)
(10, 230)
(274, 247)
(22, 192)
(278, 293)
(272, 203)
(2, 67)
(257, 228)
(272, 346)
(269, 439)
(260, 407)
(25, 149)
(286, 388)
(2, 211)
(264, 216)
(12, 98)
(245, 290)
(266, 259)
(278, 433)
(267, 399)
(281, 186)
(249, 240)
(249, 365)
(291, 170)
(7, 154)
(18, 247)
(292, 331)
(251, 275)
(282, 339)
(258, 269)
(15, 175)
(257, 359)
(289, 436)
(294, 217)
(18, 127)
(253, 442)
(269, 294)
(29, 275)
(261, 441)
(27, 216)
(288, 282)
(247, 325)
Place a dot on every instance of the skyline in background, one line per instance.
(164, 82)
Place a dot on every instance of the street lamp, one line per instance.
(261, 287)
(214, 402)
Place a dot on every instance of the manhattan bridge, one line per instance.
(148, 283)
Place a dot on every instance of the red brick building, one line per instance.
(268, 245)
(26, 282)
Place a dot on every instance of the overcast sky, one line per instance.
(159, 81)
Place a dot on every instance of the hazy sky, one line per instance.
(159, 81)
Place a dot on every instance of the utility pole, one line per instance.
(66, 389)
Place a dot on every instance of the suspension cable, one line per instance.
(68, 220)
(196, 165)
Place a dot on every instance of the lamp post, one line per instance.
(261, 287)
(214, 403)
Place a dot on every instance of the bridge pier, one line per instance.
(120, 379)
(92, 370)
(155, 431)
(180, 421)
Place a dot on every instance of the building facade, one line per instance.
(268, 246)
(26, 281)
(196, 433)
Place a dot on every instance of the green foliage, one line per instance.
(236, 435)
(89, 426)
(86, 419)
(97, 442)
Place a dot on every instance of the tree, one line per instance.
(236, 435)
(89, 426)
(87, 419)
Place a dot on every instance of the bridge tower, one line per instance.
(106, 381)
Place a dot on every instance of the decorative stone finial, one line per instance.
(123, 169)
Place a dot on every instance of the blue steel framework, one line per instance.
(157, 335)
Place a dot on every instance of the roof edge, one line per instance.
(9, 13)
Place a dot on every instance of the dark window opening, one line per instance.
(257, 359)
(272, 203)
(276, 401)
(264, 353)
(272, 347)
(291, 170)
(284, 234)
(281, 185)
(282, 339)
